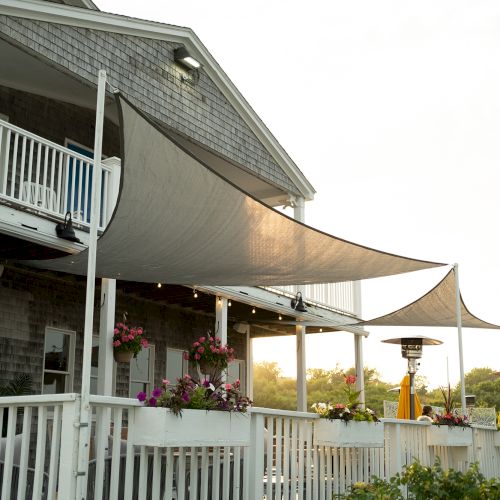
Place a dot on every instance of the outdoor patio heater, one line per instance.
(411, 349)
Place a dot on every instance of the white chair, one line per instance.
(39, 196)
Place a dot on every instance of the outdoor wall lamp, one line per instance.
(65, 230)
(298, 304)
(184, 58)
(411, 349)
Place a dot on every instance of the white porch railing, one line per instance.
(42, 176)
(38, 455)
(339, 297)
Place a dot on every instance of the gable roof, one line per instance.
(92, 19)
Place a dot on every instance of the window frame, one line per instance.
(70, 373)
(150, 383)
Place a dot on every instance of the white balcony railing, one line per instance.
(52, 180)
(280, 460)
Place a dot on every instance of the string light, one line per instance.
(321, 330)
(159, 285)
(279, 317)
(229, 303)
(253, 310)
(219, 300)
(195, 293)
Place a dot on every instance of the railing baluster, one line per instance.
(204, 474)
(41, 440)
(37, 175)
(181, 476)
(51, 201)
(9, 453)
(23, 459)
(45, 174)
(115, 458)
(62, 157)
(193, 475)
(143, 473)
(286, 458)
(169, 474)
(216, 472)
(30, 172)
(88, 194)
(54, 452)
(6, 161)
(155, 487)
(14, 166)
(236, 473)
(21, 174)
(279, 453)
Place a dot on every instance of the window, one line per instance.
(177, 366)
(142, 371)
(58, 361)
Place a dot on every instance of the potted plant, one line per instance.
(222, 423)
(449, 428)
(347, 425)
(210, 356)
(127, 342)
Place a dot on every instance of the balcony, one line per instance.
(43, 180)
(282, 458)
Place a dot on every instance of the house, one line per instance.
(64, 440)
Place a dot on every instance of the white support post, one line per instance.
(460, 346)
(221, 323)
(300, 335)
(84, 425)
(358, 364)
(106, 328)
(300, 331)
(249, 365)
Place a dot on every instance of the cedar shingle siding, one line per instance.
(143, 69)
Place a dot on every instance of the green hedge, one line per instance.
(422, 483)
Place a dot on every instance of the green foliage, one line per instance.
(423, 482)
(22, 385)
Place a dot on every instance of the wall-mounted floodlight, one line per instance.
(184, 58)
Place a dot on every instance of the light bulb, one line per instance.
(253, 310)
(229, 303)
(219, 300)
(195, 293)
(321, 330)
(279, 317)
(159, 285)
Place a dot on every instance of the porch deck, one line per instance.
(38, 455)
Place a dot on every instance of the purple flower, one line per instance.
(141, 396)
(156, 392)
(185, 397)
(152, 402)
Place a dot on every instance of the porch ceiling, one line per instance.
(179, 222)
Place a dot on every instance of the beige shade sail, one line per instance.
(179, 222)
(436, 308)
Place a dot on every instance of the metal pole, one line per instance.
(84, 423)
(412, 395)
(460, 346)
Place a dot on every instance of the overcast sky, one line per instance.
(392, 110)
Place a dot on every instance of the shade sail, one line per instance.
(179, 222)
(436, 308)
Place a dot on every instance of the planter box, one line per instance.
(445, 435)
(160, 427)
(340, 434)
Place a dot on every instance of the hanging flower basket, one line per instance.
(123, 356)
(341, 434)
(160, 427)
(449, 435)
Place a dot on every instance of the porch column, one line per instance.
(358, 364)
(106, 327)
(221, 322)
(249, 365)
(300, 335)
(300, 331)
(358, 344)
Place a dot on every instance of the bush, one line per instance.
(424, 482)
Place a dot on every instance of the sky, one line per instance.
(391, 109)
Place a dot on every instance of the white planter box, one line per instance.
(160, 427)
(496, 438)
(340, 434)
(445, 435)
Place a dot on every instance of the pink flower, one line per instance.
(124, 338)
(197, 356)
(217, 339)
(196, 344)
(119, 325)
(350, 379)
(144, 342)
(212, 348)
(139, 331)
(237, 383)
(185, 355)
(228, 387)
(211, 339)
(116, 331)
(187, 376)
(117, 343)
(202, 339)
(165, 381)
(131, 337)
(339, 406)
(201, 350)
